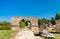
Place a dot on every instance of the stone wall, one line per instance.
(58, 25)
(16, 20)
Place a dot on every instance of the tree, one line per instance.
(0, 23)
(57, 16)
(5, 23)
(49, 20)
(40, 22)
(45, 20)
(53, 21)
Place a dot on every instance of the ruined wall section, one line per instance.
(58, 25)
(16, 20)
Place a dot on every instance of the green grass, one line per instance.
(5, 34)
(57, 36)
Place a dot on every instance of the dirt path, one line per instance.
(26, 34)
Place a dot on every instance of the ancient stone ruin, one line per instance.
(58, 25)
(16, 20)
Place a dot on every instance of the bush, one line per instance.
(1, 28)
(52, 30)
(22, 25)
(5, 27)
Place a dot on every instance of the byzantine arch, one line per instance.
(16, 20)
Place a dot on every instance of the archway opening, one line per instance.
(28, 23)
(22, 23)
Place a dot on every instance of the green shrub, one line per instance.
(22, 25)
(5, 27)
(51, 30)
(1, 28)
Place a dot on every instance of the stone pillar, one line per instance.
(34, 24)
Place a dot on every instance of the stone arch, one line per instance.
(34, 22)
(15, 22)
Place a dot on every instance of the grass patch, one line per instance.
(57, 36)
(5, 34)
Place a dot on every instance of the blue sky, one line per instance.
(35, 8)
